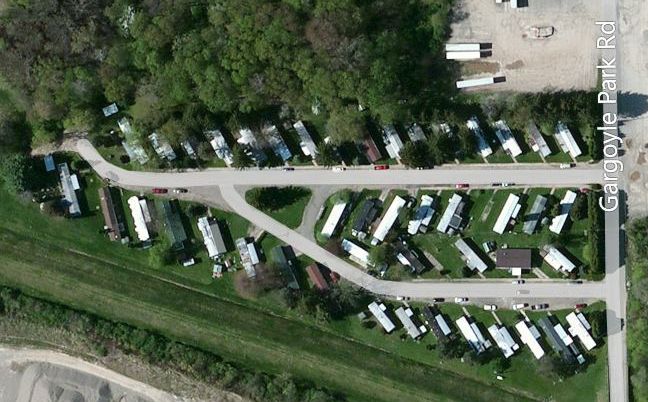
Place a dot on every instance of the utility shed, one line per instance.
(378, 311)
(388, 220)
(405, 316)
(173, 223)
(364, 219)
(276, 142)
(503, 339)
(415, 133)
(315, 275)
(537, 141)
(513, 258)
(506, 138)
(472, 334)
(422, 217)
(509, 211)
(473, 260)
(567, 141)
(334, 218)
(212, 237)
(162, 147)
(529, 335)
(70, 199)
(284, 257)
(357, 253)
(482, 144)
(452, 212)
(220, 146)
(578, 326)
(566, 203)
(557, 260)
(306, 142)
(392, 141)
(114, 225)
(532, 219)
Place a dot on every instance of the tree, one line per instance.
(466, 142)
(345, 125)
(160, 255)
(240, 158)
(579, 208)
(418, 155)
(14, 171)
(205, 151)
(275, 198)
(382, 254)
(326, 155)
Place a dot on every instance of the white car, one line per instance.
(339, 169)
(461, 300)
(520, 306)
(490, 307)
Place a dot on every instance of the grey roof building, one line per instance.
(513, 258)
(284, 257)
(532, 219)
(69, 185)
(172, 223)
(364, 219)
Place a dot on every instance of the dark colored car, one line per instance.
(462, 185)
(160, 190)
(180, 190)
(289, 169)
(581, 305)
(541, 306)
(381, 167)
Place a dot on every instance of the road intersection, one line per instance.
(611, 289)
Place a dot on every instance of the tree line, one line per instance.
(159, 350)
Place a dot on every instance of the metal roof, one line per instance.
(566, 203)
(212, 237)
(70, 198)
(388, 220)
(507, 213)
(535, 214)
(333, 219)
(537, 141)
(473, 260)
(529, 335)
(455, 201)
(378, 310)
(567, 141)
(506, 138)
(482, 145)
(306, 143)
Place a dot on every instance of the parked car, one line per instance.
(581, 305)
(496, 184)
(381, 167)
(518, 282)
(439, 299)
(577, 282)
(288, 169)
(508, 184)
(180, 190)
(540, 306)
(567, 165)
(461, 300)
(339, 169)
(520, 306)
(160, 190)
(462, 185)
(490, 307)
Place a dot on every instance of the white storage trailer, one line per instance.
(475, 82)
(462, 47)
(463, 55)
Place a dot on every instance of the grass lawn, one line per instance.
(291, 214)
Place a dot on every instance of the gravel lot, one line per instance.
(633, 103)
(567, 60)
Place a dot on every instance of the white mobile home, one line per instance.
(482, 144)
(415, 133)
(306, 142)
(220, 146)
(422, 217)
(473, 260)
(529, 335)
(567, 141)
(578, 326)
(532, 219)
(139, 219)
(463, 55)
(473, 335)
(537, 141)
(212, 237)
(558, 260)
(162, 147)
(392, 141)
(388, 220)
(477, 82)
(451, 213)
(356, 253)
(333, 219)
(509, 211)
(69, 185)
(506, 138)
(378, 311)
(566, 203)
(405, 317)
(503, 339)
(462, 47)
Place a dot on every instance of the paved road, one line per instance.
(615, 292)
(531, 175)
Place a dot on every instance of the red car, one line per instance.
(462, 185)
(160, 191)
(581, 305)
(381, 167)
